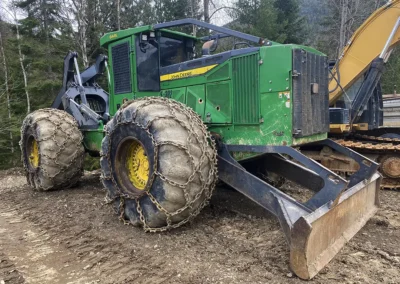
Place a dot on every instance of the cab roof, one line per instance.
(117, 35)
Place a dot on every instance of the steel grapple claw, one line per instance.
(317, 229)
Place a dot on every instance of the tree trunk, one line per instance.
(7, 90)
(80, 10)
(21, 61)
(83, 45)
(344, 4)
(46, 31)
(207, 11)
(118, 14)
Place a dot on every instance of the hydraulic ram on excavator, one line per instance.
(176, 121)
(358, 117)
(375, 39)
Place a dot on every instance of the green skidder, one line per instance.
(177, 119)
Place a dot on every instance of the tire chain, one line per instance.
(31, 122)
(193, 118)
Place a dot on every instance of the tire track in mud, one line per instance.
(75, 221)
(8, 271)
(47, 250)
(232, 241)
(30, 251)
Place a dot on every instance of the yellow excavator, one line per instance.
(356, 103)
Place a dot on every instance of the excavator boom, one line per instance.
(366, 44)
(356, 100)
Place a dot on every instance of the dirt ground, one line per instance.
(71, 236)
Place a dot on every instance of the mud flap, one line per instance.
(318, 237)
(317, 229)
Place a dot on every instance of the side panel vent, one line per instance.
(246, 96)
(121, 66)
(310, 94)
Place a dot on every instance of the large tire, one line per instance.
(177, 163)
(52, 150)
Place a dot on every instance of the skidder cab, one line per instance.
(176, 119)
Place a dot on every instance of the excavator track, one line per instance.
(387, 151)
(377, 139)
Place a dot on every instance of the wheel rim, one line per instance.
(33, 152)
(137, 164)
(133, 166)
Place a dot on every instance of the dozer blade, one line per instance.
(316, 238)
(317, 229)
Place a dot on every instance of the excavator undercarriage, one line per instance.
(385, 151)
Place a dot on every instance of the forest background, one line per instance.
(35, 35)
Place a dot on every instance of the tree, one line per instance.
(390, 81)
(342, 19)
(7, 89)
(277, 20)
(85, 15)
(290, 23)
(13, 14)
(169, 10)
(43, 19)
(257, 17)
(12, 102)
(206, 11)
(42, 40)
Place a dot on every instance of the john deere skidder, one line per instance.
(173, 123)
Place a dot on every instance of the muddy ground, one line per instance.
(70, 236)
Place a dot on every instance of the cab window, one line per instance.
(148, 76)
(153, 53)
(175, 50)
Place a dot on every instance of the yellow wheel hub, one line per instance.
(34, 153)
(137, 164)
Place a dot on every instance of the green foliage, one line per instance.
(257, 17)
(291, 26)
(43, 16)
(169, 10)
(391, 78)
(276, 20)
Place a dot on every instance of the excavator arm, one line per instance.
(357, 106)
(373, 40)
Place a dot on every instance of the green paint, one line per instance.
(118, 35)
(246, 99)
(219, 102)
(276, 68)
(246, 86)
(92, 139)
(196, 98)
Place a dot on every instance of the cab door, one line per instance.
(147, 71)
